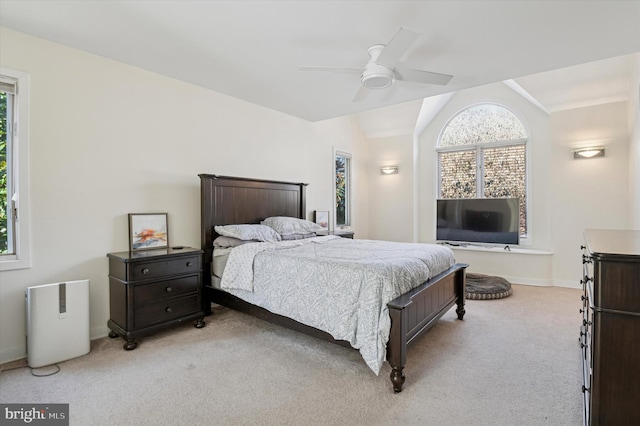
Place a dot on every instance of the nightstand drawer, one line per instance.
(146, 293)
(162, 312)
(183, 265)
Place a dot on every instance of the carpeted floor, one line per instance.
(512, 361)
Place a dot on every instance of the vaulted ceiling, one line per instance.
(252, 50)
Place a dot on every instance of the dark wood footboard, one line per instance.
(413, 313)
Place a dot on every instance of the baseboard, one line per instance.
(567, 284)
(12, 354)
(544, 282)
(529, 281)
(99, 332)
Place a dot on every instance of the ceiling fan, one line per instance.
(381, 70)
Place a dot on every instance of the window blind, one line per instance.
(7, 85)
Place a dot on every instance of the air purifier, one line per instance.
(57, 322)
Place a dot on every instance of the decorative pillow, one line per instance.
(248, 232)
(298, 236)
(285, 225)
(228, 242)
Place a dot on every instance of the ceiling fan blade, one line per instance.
(349, 70)
(362, 94)
(398, 45)
(418, 76)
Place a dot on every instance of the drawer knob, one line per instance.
(145, 271)
(169, 309)
(189, 263)
(168, 289)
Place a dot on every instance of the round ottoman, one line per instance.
(486, 287)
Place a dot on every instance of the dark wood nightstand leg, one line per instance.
(200, 323)
(113, 335)
(130, 345)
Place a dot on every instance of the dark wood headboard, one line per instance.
(229, 200)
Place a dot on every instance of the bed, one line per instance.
(232, 200)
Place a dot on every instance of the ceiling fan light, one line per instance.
(376, 76)
(377, 81)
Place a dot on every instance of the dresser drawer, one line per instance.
(148, 293)
(148, 270)
(165, 311)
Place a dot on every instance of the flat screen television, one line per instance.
(479, 220)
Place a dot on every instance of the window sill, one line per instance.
(14, 264)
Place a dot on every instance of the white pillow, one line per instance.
(248, 232)
(285, 225)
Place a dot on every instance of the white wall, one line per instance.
(587, 193)
(392, 195)
(107, 139)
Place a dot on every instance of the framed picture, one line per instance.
(148, 231)
(322, 218)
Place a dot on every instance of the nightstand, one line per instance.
(338, 232)
(151, 290)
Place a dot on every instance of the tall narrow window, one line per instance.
(482, 154)
(7, 234)
(343, 188)
(14, 200)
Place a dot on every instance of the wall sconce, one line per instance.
(389, 170)
(588, 152)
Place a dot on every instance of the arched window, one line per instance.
(482, 154)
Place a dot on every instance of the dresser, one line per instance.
(152, 290)
(610, 330)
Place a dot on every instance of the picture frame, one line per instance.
(148, 231)
(321, 217)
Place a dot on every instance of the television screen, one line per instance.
(479, 220)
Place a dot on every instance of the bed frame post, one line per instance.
(461, 291)
(397, 346)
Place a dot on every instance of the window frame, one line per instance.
(479, 156)
(18, 195)
(348, 189)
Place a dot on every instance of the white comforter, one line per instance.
(337, 285)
